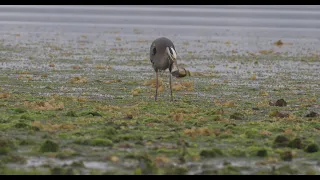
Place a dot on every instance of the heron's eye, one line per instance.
(154, 51)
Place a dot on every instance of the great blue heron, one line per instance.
(163, 56)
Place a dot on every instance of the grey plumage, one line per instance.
(162, 57)
(158, 57)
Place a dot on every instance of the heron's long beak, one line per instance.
(173, 56)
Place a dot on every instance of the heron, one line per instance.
(163, 56)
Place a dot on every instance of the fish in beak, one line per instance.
(175, 69)
(181, 73)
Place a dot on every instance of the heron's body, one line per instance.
(162, 57)
(157, 51)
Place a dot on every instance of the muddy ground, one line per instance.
(89, 108)
(82, 102)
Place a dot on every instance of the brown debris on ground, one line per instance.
(112, 81)
(177, 116)
(254, 76)
(281, 43)
(197, 132)
(225, 103)
(279, 102)
(312, 114)
(108, 108)
(101, 66)
(278, 43)
(266, 51)
(153, 82)
(45, 105)
(4, 95)
(76, 67)
(279, 114)
(52, 127)
(186, 85)
(78, 80)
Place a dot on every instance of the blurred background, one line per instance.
(252, 27)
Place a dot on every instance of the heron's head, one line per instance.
(171, 53)
(173, 57)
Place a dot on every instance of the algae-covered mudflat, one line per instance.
(91, 109)
(77, 91)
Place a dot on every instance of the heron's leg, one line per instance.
(157, 85)
(170, 77)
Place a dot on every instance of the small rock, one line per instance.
(286, 156)
(61, 171)
(77, 164)
(71, 114)
(279, 102)
(311, 148)
(262, 153)
(279, 114)
(114, 159)
(295, 143)
(210, 153)
(312, 114)
(95, 114)
(237, 116)
(281, 141)
(278, 43)
(49, 146)
(129, 116)
(226, 163)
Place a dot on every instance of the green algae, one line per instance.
(49, 146)
(311, 148)
(211, 153)
(226, 115)
(94, 142)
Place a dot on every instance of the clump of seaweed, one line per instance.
(197, 132)
(185, 85)
(49, 127)
(311, 148)
(45, 105)
(49, 146)
(78, 80)
(278, 43)
(4, 95)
